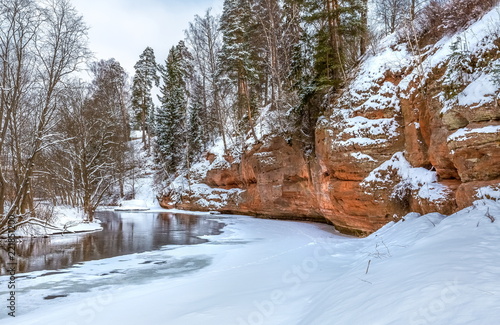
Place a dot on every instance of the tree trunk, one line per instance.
(2, 191)
(363, 41)
(143, 127)
(246, 101)
(332, 10)
(413, 6)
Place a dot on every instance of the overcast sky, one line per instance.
(122, 29)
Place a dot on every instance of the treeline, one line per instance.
(277, 56)
(62, 141)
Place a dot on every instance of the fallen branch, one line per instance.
(31, 221)
(430, 221)
(489, 215)
(365, 281)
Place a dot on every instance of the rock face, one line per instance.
(393, 142)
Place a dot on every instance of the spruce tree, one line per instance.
(171, 116)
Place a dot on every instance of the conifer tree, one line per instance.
(145, 77)
(323, 26)
(196, 135)
(171, 116)
(238, 56)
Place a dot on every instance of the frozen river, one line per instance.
(123, 233)
(170, 258)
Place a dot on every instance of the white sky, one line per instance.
(122, 29)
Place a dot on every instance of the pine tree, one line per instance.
(145, 77)
(333, 36)
(322, 32)
(337, 32)
(239, 59)
(171, 116)
(354, 28)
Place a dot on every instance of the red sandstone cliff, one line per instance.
(394, 141)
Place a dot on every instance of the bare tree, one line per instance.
(391, 13)
(204, 39)
(19, 23)
(111, 93)
(52, 46)
(90, 140)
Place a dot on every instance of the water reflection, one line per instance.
(123, 233)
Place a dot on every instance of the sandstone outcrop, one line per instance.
(393, 142)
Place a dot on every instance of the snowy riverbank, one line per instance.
(64, 220)
(423, 270)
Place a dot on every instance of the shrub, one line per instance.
(441, 17)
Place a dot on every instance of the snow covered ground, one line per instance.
(66, 219)
(132, 205)
(422, 270)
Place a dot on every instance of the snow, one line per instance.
(142, 183)
(464, 133)
(132, 205)
(427, 269)
(480, 88)
(474, 37)
(489, 192)
(424, 270)
(135, 134)
(477, 39)
(479, 92)
(392, 58)
(360, 125)
(361, 156)
(385, 97)
(217, 148)
(358, 130)
(192, 186)
(421, 180)
(203, 195)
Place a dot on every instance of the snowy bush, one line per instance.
(460, 68)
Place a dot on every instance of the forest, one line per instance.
(65, 140)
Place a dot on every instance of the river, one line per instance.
(123, 233)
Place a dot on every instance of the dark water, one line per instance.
(123, 233)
